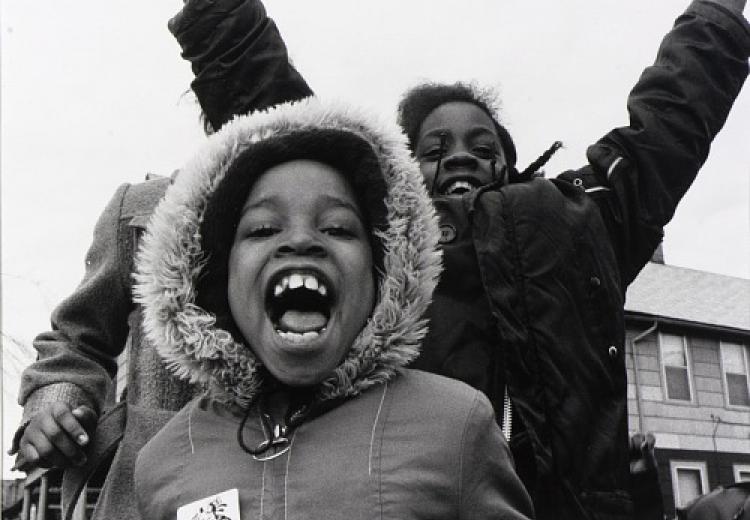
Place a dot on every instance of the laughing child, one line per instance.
(288, 268)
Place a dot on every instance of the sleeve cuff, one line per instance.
(65, 392)
(720, 13)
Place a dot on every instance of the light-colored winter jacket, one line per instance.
(388, 442)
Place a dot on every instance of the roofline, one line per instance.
(643, 317)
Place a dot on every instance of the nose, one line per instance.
(460, 160)
(301, 241)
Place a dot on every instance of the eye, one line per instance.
(261, 231)
(339, 231)
(483, 151)
(432, 154)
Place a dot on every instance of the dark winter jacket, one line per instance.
(553, 258)
(389, 442)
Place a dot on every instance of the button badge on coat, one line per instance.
(221, 506)
(447, 234)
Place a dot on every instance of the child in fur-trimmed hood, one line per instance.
(289, 268)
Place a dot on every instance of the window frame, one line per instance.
(724, 382)
(740, 468)
(676, 465)
(663, 369)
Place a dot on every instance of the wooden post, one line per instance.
(79, 511)
(26, 507)
(41, 512)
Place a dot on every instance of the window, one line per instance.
(676, 367)
(734, 362)
(741, 472)
(688, 481)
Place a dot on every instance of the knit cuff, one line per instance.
(68, 393)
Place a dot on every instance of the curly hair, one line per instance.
(418, 102)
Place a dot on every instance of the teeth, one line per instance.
(311, 283)
(295, 281)
(459, 186)
(298, 338)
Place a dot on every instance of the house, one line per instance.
(688, 364)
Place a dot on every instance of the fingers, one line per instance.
(649, 442)
(86, 418)
(55, 437)
(636, 441)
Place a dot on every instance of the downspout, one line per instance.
(636, 380)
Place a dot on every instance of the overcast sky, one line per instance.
(95, 94)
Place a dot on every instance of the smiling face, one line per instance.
(469, 146)
(301, 281)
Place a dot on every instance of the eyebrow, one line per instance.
(339, 202)
(329, 200)
(473, 131)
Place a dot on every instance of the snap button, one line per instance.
(447, 234)
(612, 351)
(595, 281)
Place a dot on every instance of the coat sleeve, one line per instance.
(76, 359)
(238, 57)
(676, 109)
(489, 486)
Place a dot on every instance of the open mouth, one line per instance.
(299, 304)
(459, 186)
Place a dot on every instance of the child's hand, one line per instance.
(642, 456)
(56, 437)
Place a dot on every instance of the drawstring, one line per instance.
(276, 436)
(443, 137)
(279, 436)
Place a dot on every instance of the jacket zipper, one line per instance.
(507, 427)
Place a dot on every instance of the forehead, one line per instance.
(456, 117)
(301, 181)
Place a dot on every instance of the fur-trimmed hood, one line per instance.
(171, 259)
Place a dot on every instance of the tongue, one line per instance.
(298, 321)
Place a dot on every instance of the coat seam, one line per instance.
(286, 475)
(464, 435)
(374, 427)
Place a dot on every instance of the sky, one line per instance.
(94, 94)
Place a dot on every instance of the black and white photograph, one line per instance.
(398, 259)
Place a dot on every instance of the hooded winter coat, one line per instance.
(383, 441)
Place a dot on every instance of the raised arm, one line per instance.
(676, 109)
(238, 57)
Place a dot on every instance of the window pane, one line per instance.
(689, 485)
(673, 350)
(737, 390)
(744, 476)
(677, 383)
(731, 357)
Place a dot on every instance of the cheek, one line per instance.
(242, 270)
(428, 172)
(363, 278)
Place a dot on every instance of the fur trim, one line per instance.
(170, 260)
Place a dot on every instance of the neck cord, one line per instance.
(276, 435)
